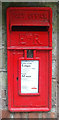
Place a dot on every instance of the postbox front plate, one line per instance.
(29, 51)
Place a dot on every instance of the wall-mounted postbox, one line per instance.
(29, 52)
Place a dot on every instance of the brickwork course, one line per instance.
(4, 113)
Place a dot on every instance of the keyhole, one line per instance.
(29, 53)
(17, 78)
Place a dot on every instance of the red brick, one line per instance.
(17, 115)
(33, 115)
(0, 114)
(24, 115)
(52, 115)
(44, 115)
(5, 114)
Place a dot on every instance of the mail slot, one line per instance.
(29, 63)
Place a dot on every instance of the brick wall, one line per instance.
(3, 66)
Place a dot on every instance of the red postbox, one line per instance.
(29, 52)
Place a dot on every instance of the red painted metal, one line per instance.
(29, 28)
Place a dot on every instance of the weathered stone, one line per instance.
(4, 80)
(0, 59)
(4, 58)
(0, 37)
(0, 103)
(53, 69)
(4, 37)
(0, 80)
(54, 44)
(0, 25)
(4, 107)
(54, 92)
(3, 93)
